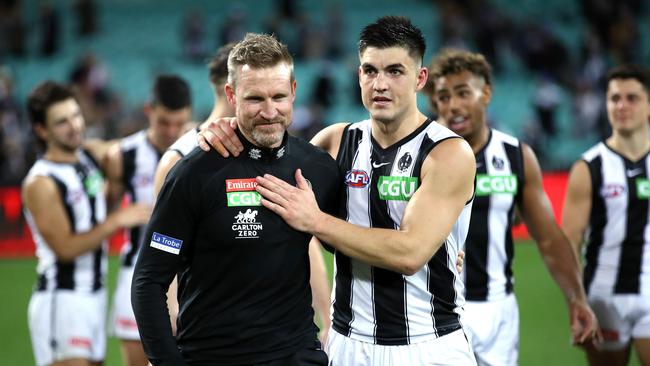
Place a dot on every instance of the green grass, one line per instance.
(545, 338)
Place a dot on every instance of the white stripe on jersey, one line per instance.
(78, 202)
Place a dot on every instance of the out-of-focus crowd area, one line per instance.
(549, 59)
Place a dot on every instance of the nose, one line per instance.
(268, 111)
(380, 84)
(454, 103)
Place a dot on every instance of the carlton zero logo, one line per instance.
(396, 188)
(246, 225)
(241, 192)
(496, 184)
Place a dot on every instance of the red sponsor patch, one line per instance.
(610, 335)
(80, 342)
(238, 185)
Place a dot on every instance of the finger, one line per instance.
(203, 143)
(271, 196)
(301, 182)
(229, 138)
(273, 207)
(233, 123)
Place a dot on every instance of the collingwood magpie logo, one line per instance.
(404, 162)
(246, 225)
(497, 163)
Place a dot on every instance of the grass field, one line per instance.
(545, 338)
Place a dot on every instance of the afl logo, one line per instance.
(356, 178)
(612, 190)
(404, 162)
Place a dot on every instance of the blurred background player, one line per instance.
(65, 207)
(607, 208)
(130, 168)
(507, 177)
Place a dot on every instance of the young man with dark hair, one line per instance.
(65, 207)
(607, 208)
(507, 177)
(130, 169)
(398, 297)
(243, 273)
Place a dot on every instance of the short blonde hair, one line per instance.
(258, 51)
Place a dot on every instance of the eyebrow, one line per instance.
(399, 65)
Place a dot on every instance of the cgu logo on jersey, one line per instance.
(496, 184)
(357, 178)
(93, 183)
(643, 188)
(246, 225)
(241, 192)
(396, 188)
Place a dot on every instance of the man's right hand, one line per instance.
(220, 135)
(132, 215)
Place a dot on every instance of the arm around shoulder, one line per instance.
(329, 138)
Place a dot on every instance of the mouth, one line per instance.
(457, 121)
(381, 100)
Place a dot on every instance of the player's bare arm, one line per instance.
(42, 198)
(112, 165)
(556, 249)
(447, 184)
(329, 138)
(320, 288)
(166, 163)
(577, 205)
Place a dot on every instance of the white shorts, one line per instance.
(493, 330)
(123, 325)
(621, 317)
(450, 349)
(65, 324)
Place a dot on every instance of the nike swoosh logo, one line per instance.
(631, 173)
(379, 165)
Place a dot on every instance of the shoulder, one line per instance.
(133, 141)
(451, 153)
(594, 152)
(303, 150)
(505, 138)
(186, 143)
(329, 138)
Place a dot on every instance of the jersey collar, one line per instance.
(262, 153)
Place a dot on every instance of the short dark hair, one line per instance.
(42, 97)
(172, 92)
(258, 51)
(218, 67)
(393, 31)
(631, 71)
(453, 61)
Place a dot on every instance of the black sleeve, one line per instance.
(167, 242)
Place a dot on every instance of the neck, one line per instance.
(389, 133)
(58, 155)
(479, 139)
(633, 146)
(152, 141)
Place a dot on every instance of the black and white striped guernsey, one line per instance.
(139, 161)
(374, 304)
(489, 246)
(81, 188)
(186, 143)
(617, 253)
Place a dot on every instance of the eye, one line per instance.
(443, 98)
(369, 70)
(464, 93)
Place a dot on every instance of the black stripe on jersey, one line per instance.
(476, 244)
(629, 268)
(441, 285)
(516, 158)
(65, 270)
(128, 170)
(343, 294)
(389, 287)
(597, 222)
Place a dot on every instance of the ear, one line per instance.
(40, 131)
(230, 94)
(421, 80)
(359, 71)
(294, 85)
(147, 108)
(487, 94)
